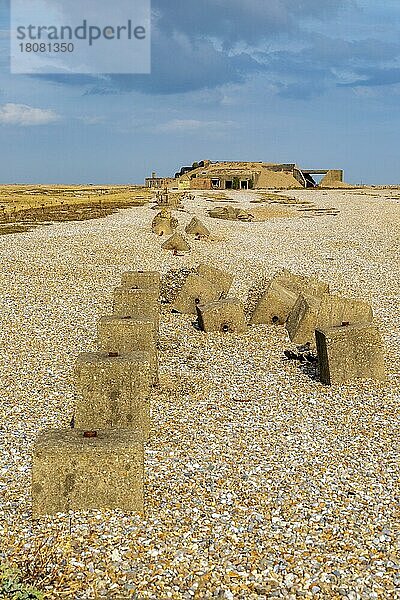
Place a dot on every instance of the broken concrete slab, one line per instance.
(113, 391)
(71, 472)
(127, 335)
(176, 243)
(197, 228)
(137, 303)
(141, 280)
(311, 313)
(226, 316)
(217, 277)
(230, 214)
(195, 290)
(350, 352)
(281, 294)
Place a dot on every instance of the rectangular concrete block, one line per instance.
(113, 391)
(196, 290)
(350, 352)
(127, 335)
(71, 472)
(279, 299)
(303, 318)
(217, 277)
(226, 316)
(137, 303)
(142, 280)
(311, 313)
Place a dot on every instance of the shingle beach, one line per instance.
(260, 482)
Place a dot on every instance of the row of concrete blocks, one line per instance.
(99, 464)
(348, 344)
(165, 224)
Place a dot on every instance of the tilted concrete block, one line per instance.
(303, 319)
(350, 352)
(217, 277)
(280, 297)
(196, 290)
(124, 336)
(137, 303)
(311, 313)
(142, 280)
(72, 472)
(225, 316)
(176, 243)
(196, 227)
(113, 391)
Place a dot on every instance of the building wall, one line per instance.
(199, 183)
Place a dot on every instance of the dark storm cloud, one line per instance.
(205, 44)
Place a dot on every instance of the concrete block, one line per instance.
(311, 313)
(303, 318)
(164, 223)
(196, 227)
(280, 297)
(225, 316)
(217, 277)
(176, 243)
(196, 290)
(141, 280)
(72, 472)
(137, 303)
(128, 335)
(350, 352)
(113, 391)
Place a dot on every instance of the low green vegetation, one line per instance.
(13, 589)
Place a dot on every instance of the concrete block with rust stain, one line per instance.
(127, 335)
(350, 352)
(311, 313)
(226, 316)
(142, 280)
(113, 391)
(164, 223)
(217, 277)
(71, 472)
(279, 298)
(137, 303)
(196, 290)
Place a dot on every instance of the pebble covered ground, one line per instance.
(260, 482)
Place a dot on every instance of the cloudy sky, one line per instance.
(315, 82)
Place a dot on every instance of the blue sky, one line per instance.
(315, 82)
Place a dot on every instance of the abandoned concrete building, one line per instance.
(207, 175)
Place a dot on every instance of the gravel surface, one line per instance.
(260, 482)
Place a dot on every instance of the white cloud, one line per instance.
(23, 115)
(193, 125)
